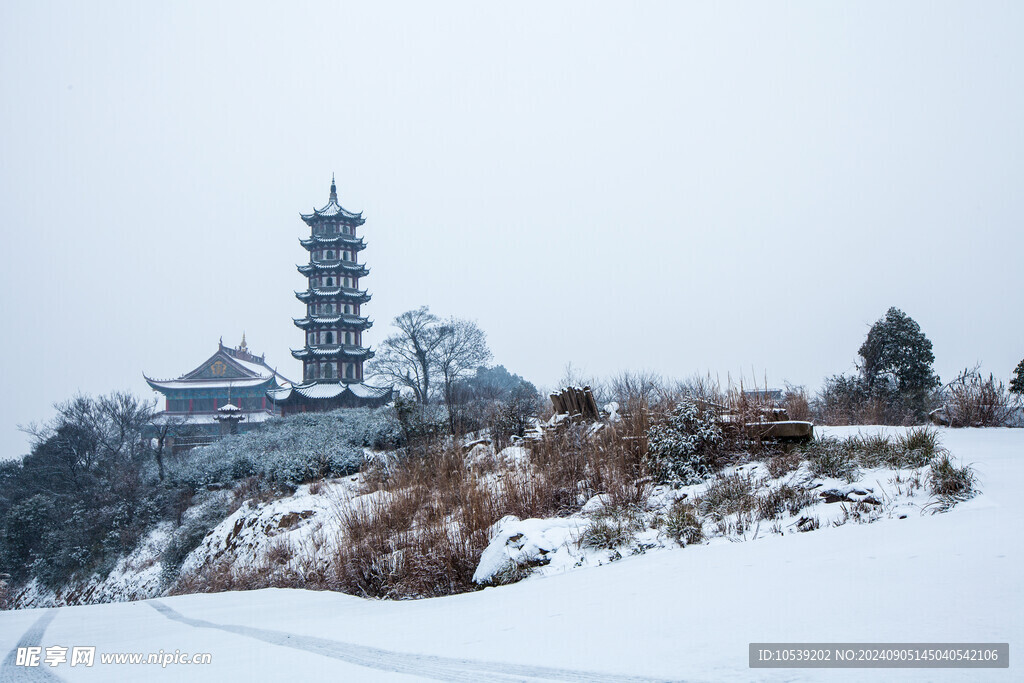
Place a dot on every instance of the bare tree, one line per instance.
(462, 349)
(426, 352)
(408, 357)
(166, 429)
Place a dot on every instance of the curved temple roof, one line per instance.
(236, 368)
(321, 390)
(343, 318)
(353, 352)
(315, 241)
(332, 210)
(348, 293)
(335, 265)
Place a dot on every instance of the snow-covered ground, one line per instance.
(683, 614)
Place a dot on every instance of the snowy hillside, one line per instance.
(678, 613)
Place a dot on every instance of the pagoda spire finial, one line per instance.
(334, 190)
(243, 346)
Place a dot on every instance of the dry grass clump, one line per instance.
(797, 403)
(784, 499)
(973, 401)
(782, 464)
(875, 450)
(733, 493)
(613, 527)
(841, 458)
(949, 483)
(419, 535)
(683, 524)
(918, 447)
(423, 521)
(832, 457)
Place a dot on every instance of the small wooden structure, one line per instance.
(781, 430)
(577, 403)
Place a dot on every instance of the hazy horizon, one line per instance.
(738, 189)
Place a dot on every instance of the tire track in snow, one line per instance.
(10, 672)
(425, 666)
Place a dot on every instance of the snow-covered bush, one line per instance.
(842, 458)
(295, 449)
(679, 451)
(611, 528)
(727, 495)
(832, 457)
(917, 447)
(784, 500)
(418, 422)
(200, 519)
(683, 525)
(949, 483)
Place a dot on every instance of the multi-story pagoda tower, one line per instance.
(333, 354)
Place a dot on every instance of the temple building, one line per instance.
(198, 401)
(333, 352)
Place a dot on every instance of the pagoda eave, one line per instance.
(350, 242)
(348, 295)
(339, 214)
(336, 352)
(347, 320)
(348, 267)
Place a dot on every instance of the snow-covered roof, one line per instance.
(332, 209)
(207, 383)
(208, 418)
(367, 391)
(332, 319)
(349, 292)
(320, 390)
(334, 239)
(333, 264)
(340, 350)
(235, 368)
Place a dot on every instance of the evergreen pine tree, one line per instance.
(1017, 381)
(896, 354)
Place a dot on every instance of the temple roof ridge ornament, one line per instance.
(225, 366)
(332, 209)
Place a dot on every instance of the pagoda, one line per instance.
(333, 353)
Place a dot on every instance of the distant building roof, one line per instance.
(226, 368)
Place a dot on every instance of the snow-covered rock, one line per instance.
(523, 542)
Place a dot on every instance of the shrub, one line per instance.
(797, 403)
(973, 401)
(200, 520)
(951, 484)
(874, 450)
(727, 495)
(784, 499)
(611, 528)
(296, 449)
(832, 457)
(683, 525)
(782, 464)
(681, 451)
(844, 400)
(919, 446)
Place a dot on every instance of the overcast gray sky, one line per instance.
(738, 188)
